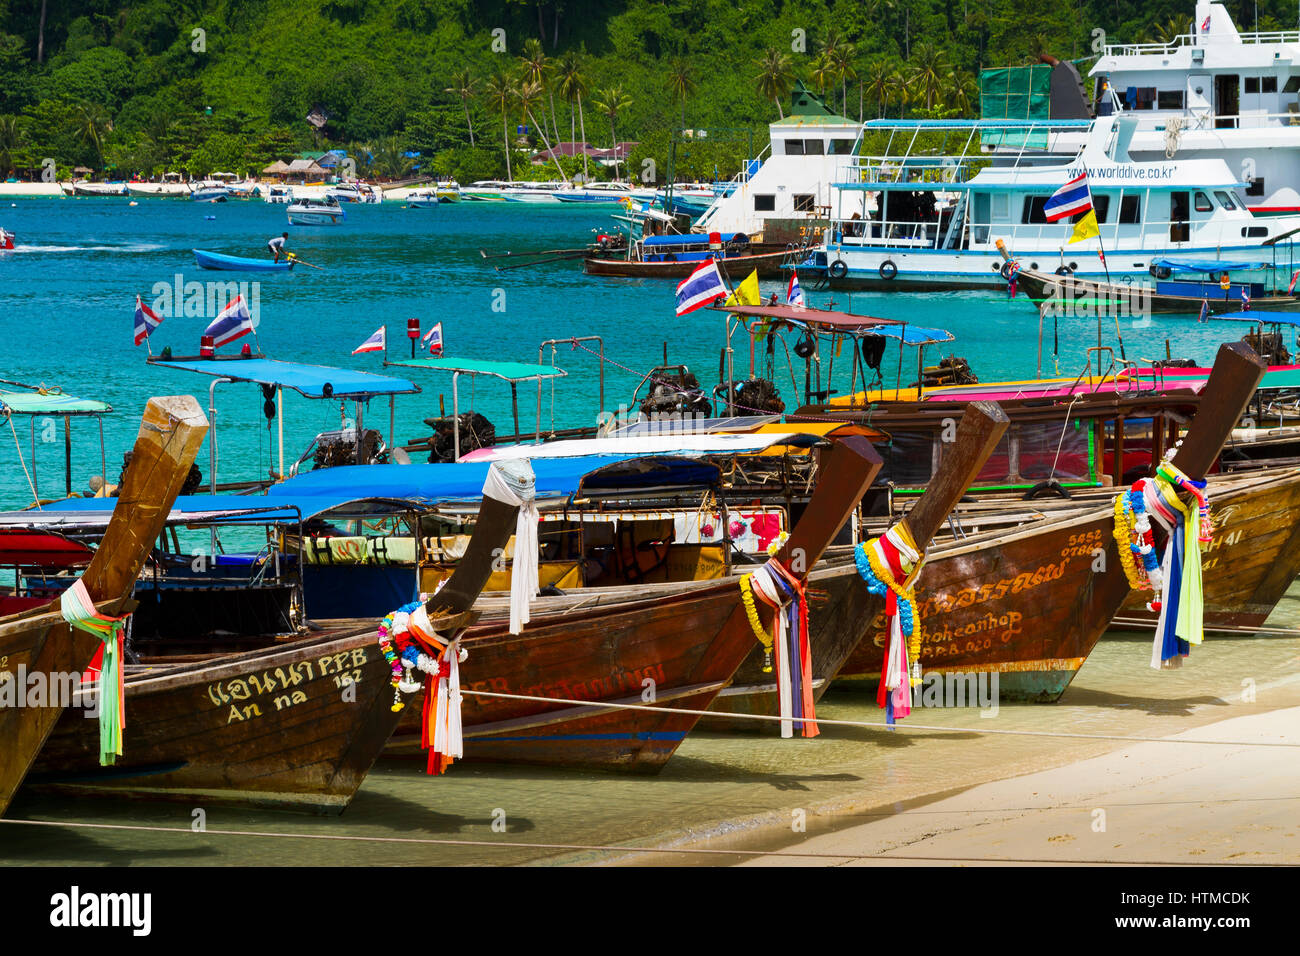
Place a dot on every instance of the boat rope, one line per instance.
(1064, 428)
(872, 725)
(518, 845)
(78, 609)
(23, 461)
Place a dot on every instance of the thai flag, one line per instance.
(700, 288)
(373, 344)
(433, 339)
(1205, 24)
(233, 322)
(1205, 311)
(1070, 200)
(794, 294)
(146, 320)
(1245, 301)
(1291, 288)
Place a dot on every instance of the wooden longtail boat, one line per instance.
(685, 646)
(40, 641)
(768, 265)
(297, 725)
(839, 622)
(1031, 604)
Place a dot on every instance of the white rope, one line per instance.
(874, 726)
(22, 461)
(513, 483)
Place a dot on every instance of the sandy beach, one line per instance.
(1232, 802)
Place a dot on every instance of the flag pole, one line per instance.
(1106, 268)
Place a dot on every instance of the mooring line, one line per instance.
(695, 851)
(875, 726)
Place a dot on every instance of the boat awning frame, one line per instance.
(309, 381)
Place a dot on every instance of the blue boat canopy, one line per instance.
(1206, 265)
(311, 381)
(690, 239)
(1261, 315)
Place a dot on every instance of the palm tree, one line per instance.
(963, 92)
(929, 67)
(680, 82)
(462, 85)
(611, 101)
(774, 77)
(536, 69)
(840, 55)
(9, 142)
(526, 94)
(93, 127)
(879, 80)
(823, 73)
(572, 85)
(40, 36)
(501, 93)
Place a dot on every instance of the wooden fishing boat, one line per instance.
(1071, 296)
(677, 649)
(297, 724)
(40, 641)
(221, 261)
(768, 265)
(1031, 604)
(840, 617)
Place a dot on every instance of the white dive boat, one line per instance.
(171, 185)
(279, 194)
(447, 190)
(1213, 93)
(531, 192)
(351, 192)
(316, 212)
(926, 218)
(87, 188)
(209, 190)
(422, 198)
(484, 190)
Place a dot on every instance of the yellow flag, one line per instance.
(1085, 228)
(747, 292)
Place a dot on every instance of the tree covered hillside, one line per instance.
(228, 84)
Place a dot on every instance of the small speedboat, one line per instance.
(210, 190)
(225, 263)
(316, 212)
(351, 192)
(596, 193)
(6, 240)
(85, 188)
(279, 194)
(422, 198)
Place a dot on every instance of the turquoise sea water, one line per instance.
(67, 297)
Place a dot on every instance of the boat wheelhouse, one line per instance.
(947, 204)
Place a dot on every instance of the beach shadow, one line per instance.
(698, 770)
(1171, 707)
(376, 808)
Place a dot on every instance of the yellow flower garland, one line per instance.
(1123, 538)
(764, 638)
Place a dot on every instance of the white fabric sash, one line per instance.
(512, 482)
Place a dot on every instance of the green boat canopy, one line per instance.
(37, 402)
(510, 371)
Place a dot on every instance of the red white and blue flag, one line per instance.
(1291, 288)
(146, 320)
(233, 322)
(373, 344)
(700, 288)
(794, 294)
(1245, 301)
(433, 339)
(1205, 311)
(1070, 200)
(1205, 24)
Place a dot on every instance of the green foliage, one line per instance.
(424, 71)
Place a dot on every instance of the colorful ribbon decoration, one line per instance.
(781, 590)
(78, 609)
(411, 644)
(889, 565)
(1176, 579)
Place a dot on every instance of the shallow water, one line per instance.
(66, 301)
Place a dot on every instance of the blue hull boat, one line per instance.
(217, 260)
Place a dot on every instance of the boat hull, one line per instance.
(218, 261)
(1070, 296)
(299, 725)
(768, 265)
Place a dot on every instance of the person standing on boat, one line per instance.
(276, 245)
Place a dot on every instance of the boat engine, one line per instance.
(950, 371)
(475, 432)
(676, 394)
(335, 450)
(1270, 346)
